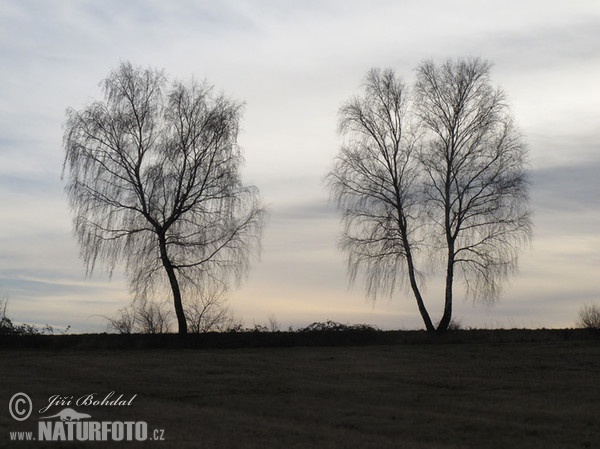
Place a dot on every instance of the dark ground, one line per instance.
(527, 390)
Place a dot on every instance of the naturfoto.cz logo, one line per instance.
(69, 424)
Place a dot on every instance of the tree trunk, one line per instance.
(450, 236)
(424, 314)
(415, 288)
(181, 320)
(447, 317)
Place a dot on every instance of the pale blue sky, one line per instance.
(293, 63)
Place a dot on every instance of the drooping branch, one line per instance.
(153, 179)
(439, 171)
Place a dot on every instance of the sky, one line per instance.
(293, 63)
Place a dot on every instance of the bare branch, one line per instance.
(153, 179)
(443, 169)
(375, 181)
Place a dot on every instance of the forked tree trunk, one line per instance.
(181, 320)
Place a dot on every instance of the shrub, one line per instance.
(455, 325)
(7, 327)
(332, 326)
(123, 322)
(589, 317)
(152, 317)
(209, 311)
(142, 316)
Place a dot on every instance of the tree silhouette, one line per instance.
(436, 174)
(153, 180)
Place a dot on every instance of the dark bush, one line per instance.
(332, 326)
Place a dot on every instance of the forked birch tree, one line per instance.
(435, 174)
(153, 180)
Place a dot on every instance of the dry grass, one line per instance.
(525, 395)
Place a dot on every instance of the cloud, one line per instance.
(293, 63)
(568, 190)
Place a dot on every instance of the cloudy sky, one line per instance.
(293, 63)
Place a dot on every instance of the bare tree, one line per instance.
(153, 181)
(438, 174)
(5, 322)
(376, 181)
(3, 304)
(476, 177)
(272, 323)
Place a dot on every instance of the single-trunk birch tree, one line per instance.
(153, 180)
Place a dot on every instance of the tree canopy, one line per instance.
(432, 172)
(153, 180)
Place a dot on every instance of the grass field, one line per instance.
(492, 395)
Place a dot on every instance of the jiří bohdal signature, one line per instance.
(89, 400)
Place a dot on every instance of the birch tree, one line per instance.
(435, 173)
(153, 181)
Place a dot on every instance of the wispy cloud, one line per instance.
(294, 63)
(569, 190)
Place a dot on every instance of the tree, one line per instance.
(439, 174)
(153, 180)
(476, 178)
(375, 181)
